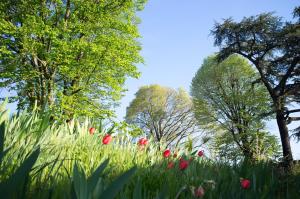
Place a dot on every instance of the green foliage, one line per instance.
(14, 180)
(264, 147)
(117, 185)
(17, 180)
(229, 104)
(72, 57)
(72, 163)
(90, 188)
(162, 112)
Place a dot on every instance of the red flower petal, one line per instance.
(170, 165)
(199, 192)
(167, 153)
(200, 153)
(183, 164)
(143, 141)
(245, 183)
(92, 130)
(106, 139)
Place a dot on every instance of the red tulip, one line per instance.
(170, 165)
(245, 183)
(183, 164)
(143, 142)
(92, 130)
(199, 192)
(106, 139)
(167, 153)
(200, 153)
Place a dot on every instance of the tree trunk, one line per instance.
(50, 92)
(285, 140)
(248, 154)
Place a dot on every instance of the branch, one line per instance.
(283, 81)
(292, 111)
(68, 5)
(291, 119)
(292, 89)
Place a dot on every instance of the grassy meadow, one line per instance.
(43, 160)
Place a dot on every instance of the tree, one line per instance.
(69, 56)
(226, 101)
(264, 147)
(273, 47)
(164, 113)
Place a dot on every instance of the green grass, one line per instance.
(57, 161)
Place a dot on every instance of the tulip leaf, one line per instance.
(80, 183)
(137, 194)
(111, 129)
(100, 126)
(2, 154)
(93, 179)
(193, 153)
(163, 193)
(118, 184)
(16, 180)
(2, 132)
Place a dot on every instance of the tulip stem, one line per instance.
(180, 191)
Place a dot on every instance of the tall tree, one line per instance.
(226, 101)
(164, 113)
(70, 56)
(273, 47)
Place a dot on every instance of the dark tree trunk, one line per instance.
(285, 140)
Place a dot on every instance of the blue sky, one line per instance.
(176, 38)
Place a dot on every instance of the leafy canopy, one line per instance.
(70, 56)
(164, 113)
(228, 104)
